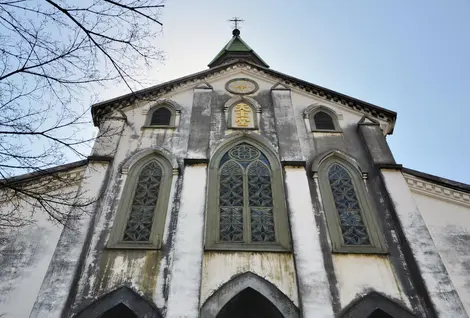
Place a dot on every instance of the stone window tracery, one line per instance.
(143, 205)
(352, 224)
(245, 189)
(244, 211)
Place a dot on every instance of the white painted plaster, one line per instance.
(359, 274)
(24, 258)
(277, 268)
(438, 283)
(449, 225)
(55, 288)
(183, 300)
(313, 284)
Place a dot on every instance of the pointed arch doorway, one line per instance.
(249, 304)
(249, 296)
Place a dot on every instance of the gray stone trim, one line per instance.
(242, 79)
(158, 151)
(283, 242)
(226, 292)
(125, 295)
(365, 118)
(439, 180)
(255, 107)
(310, 111)
(125, 202)
(101, 109)
(100, 158)
(377, 245)
(173, 107)
(319, 159)
(42, 173)
(365, 305)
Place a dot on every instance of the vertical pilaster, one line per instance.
(375, 142)
(58, 287)
(183, 299)
(311, 274)
(437, 282)
(199, 134)
(289, 145)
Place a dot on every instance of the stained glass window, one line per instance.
(139, 224)
(245, 200)
(353, 229)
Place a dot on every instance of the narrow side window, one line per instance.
(143, 205)
(352, 224)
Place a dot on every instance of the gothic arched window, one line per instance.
(323, 121)
(352, 224)
(321, 118)
(165, 114)
(143, 205)
(246, 213)
(161, 116)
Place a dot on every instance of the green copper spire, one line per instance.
(235, 49)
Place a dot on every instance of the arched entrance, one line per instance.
(249, 304)
(375, 305)
(120, 303)
(249, 296)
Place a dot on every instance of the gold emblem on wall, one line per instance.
(241, 86)
(243, 113)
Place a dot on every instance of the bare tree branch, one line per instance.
(54, 55)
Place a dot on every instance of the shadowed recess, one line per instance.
(379, 314)
(119, 311)
(249, 304)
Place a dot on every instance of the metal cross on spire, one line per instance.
(235, 21)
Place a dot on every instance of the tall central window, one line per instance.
(245, 196)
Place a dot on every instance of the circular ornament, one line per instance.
(244, 152)
(241, 86)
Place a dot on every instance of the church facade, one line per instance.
(240, 191)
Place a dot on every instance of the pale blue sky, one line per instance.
(411, 57)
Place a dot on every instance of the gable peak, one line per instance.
(237, 49)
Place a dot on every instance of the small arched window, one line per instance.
(323, 121)
(141, 215)
(161, 117)
(351, 223)
(246, 212)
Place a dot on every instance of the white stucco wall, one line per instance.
(313, 284)
(440, 288)
(25, 253)
(359, 274)
(277, 268)
(449, 225)
(183, 299)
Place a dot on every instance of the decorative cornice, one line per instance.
(153, 93)
(436, 190)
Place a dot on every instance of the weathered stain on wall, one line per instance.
(357, 274)
(449, 225)
(219, 267)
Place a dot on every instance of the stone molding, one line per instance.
(437, 191)
(101, 109)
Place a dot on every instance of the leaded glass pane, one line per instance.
(352, 225)
(262, 225)
(231, 202)
(139, 224)
(246, 166)
(260, 200)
